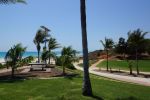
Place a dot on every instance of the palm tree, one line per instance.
(68, 55)
(136, 42)
(45, 40)
(11, 1)
(14, 55)
(38, 39)
(52, 44)
(87, 89)
(46, 54)
(107, 46)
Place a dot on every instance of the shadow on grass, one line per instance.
(68, 76)
(17, 78)
(97, 97)
(127, 98)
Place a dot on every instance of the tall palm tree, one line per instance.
(136, 42)
(38, 39)
(14, 55)
(11, 1)
(68, 55)
(108, 44)
(45, 40)
(87, 89)
(52, 44)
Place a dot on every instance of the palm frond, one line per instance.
(12, 1)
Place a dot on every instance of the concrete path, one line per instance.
(137, 80)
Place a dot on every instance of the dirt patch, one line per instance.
(54, 72)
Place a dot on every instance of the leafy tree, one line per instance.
(11, 1)
(38, 39)
(108, 44)
(87, 89)
(68, 55)
(136, 42)
(121, 47)
(52, 44)
(14, 55)
(147, 42)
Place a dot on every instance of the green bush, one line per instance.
(59, 63)
(1, 65)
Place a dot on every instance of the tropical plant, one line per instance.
(46, 35)
(107, 44)
(68, 55)
(1, 66)
(121, 47)
(136, 42)
(87, 89)
(38, 39)
(147, 41)
(27, 60)
(52, 44)
(11, 1)
(14, 55)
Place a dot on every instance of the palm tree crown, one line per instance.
(11, 1)
(136, 38)
(108, 44)
(14, 55)
(37, 40)
(52, 44)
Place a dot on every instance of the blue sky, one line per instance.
(105, 18)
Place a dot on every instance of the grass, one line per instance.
(90, 63)
(70, 89)
(144, 65)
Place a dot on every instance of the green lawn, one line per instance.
(90, 62)
(70, 89)
(144, 65)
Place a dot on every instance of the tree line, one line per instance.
(133, 47)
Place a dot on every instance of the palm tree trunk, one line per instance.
(137, 67)
(63, 69)
(12, 72)
(38, 56)
(130, 67)
(49, 58)
(130, 70)
(124, 56)
(87, 89)
(45, 45)
(107, 59)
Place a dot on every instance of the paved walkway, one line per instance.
(137, 80)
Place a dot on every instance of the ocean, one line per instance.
(26, 54)
(34, 54)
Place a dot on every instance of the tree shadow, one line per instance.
(16, 78)
(127, 98)
(96, 97)
(71, 76)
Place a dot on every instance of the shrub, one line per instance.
(1, 66)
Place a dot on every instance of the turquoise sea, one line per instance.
(34, 54)
(26, 54)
